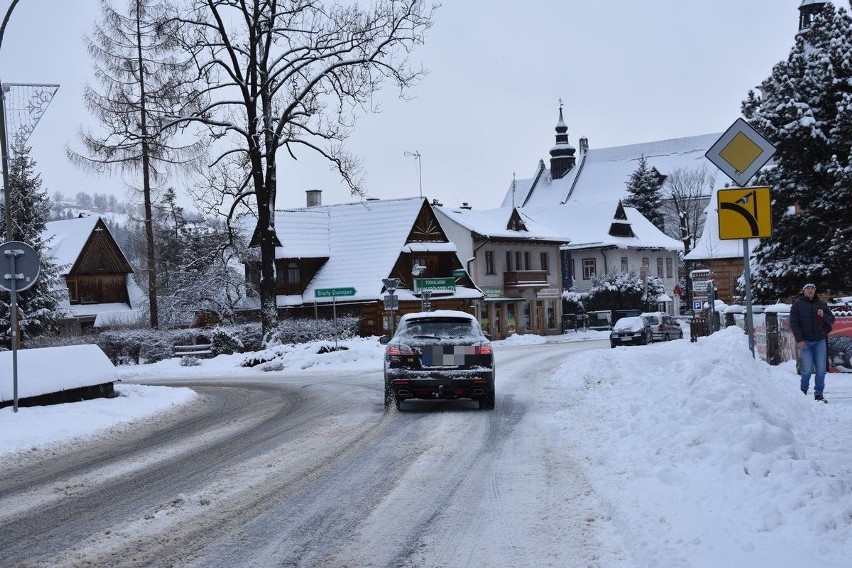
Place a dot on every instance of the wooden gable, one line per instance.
(515, 222)
(426, 228)
(620, 226)
(101, 254)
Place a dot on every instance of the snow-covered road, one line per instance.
(307, 469)
(672, 454)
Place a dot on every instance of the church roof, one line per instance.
(590, 224)
(602, 174)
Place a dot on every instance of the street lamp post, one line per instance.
(416, 155)
(7, 202)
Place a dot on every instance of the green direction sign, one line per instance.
(435, 284)
(460, 273)
(333, 292)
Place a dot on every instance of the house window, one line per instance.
(659, 267)
(489, 262)
(293, 273)
(588, 268)
(544, 266)
(573, 272)
(669, 269)
(527, 262)
(518, 264)
(646, 261)
(72, 291)
(624, 267)
(508, 261)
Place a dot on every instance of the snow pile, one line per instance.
(41, 427)
(699, 444)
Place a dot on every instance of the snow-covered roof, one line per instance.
(602, 174)
(67, 239)
(710, 246)
(47, 370)
(303, 233)
(493, 223)
(362, 241)
(588, 224)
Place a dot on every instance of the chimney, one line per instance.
(314, 197)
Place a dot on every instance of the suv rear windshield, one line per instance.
(439, 327)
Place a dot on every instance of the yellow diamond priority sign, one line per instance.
(740, 152)
(744, 213)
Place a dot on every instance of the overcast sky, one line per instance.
(627, 71)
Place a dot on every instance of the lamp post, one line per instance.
(416, 155)
(7, 202)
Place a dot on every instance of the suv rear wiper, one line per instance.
(426, 337)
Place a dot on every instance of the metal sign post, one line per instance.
(391, 301)
(23, 272)
(744, 212)
(333, 293)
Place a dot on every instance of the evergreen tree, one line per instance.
(624, 291)
(38, 307)
(805, 109)
(644, 189)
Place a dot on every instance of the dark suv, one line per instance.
(439, 355)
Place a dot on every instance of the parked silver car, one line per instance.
(634, 329)
(663, 326)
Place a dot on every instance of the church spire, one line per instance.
(562, 154)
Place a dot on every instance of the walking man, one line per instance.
(810, 319)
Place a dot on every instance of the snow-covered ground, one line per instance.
(696, 450)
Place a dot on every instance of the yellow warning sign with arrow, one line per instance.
(744, 213)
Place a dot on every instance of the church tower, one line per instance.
(562, 154)
(807, 11)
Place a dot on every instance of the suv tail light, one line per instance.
(394, 350)
(485, 350)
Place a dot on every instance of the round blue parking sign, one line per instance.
(19, 266)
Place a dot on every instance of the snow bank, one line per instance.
(700, 442)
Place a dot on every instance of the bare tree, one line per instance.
(143, 84)
(687, 193)
(294, 74)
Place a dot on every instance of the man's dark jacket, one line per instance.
(804, 321)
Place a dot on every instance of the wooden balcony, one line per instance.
(525, 279)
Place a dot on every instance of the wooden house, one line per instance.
(355, 246)
(98, 276)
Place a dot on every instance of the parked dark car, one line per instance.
(631, 330)
(663, 326)
(439, 355)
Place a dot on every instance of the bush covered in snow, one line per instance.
(293, 331)
(225, 341)
(189, 361)
(144, 345)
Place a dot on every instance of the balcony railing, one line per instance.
(525, 278)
